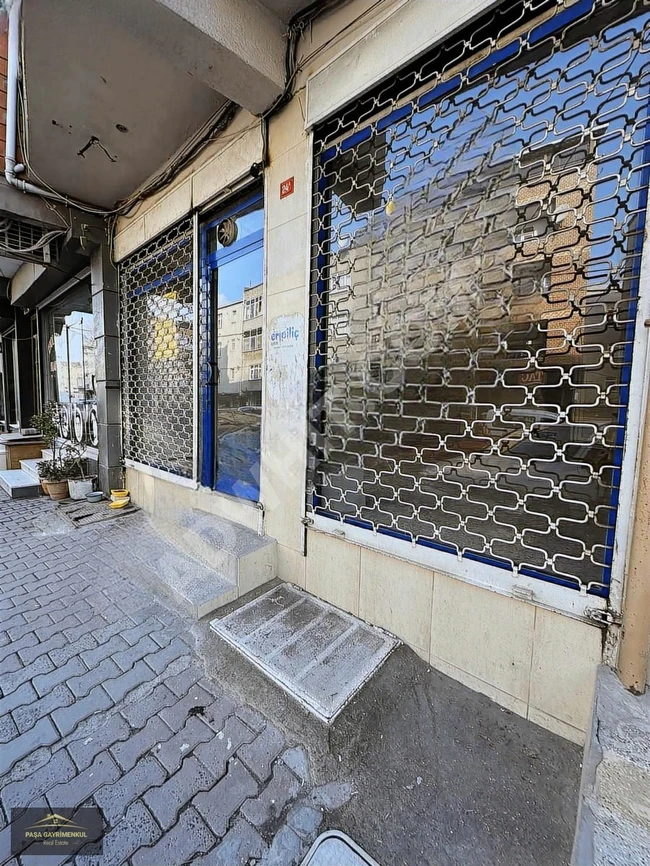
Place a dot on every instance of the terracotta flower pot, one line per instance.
(57, 489)
(44, 486)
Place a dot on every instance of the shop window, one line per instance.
(70, 376)
(156, 296)
(476, 252)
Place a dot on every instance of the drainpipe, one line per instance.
(12, 108)
(634, 650)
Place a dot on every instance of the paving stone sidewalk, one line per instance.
(104, 701)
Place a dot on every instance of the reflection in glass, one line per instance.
(474, 306)
(70, 357)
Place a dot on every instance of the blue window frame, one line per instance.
(232, 242)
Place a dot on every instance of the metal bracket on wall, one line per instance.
(603, 618)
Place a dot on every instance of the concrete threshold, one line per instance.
(318, 654)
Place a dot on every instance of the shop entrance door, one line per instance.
(232, 259)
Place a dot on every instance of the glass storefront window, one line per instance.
(476, 256)
(70, 377)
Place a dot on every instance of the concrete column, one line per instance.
(633, 657)
(105, 299)
(26, 397)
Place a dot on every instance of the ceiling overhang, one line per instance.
(114, 90)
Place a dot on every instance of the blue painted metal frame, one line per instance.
(208, 324)
(548, 28)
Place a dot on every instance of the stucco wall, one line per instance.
(535, 662)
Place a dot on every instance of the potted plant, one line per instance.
(64, 475)
(44, 469)
(53, 473)
(46, 422)
(79, 484)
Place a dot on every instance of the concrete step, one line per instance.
(236, 551)
(18, 484)
(200, 589)
(243, 558)
(29, 468)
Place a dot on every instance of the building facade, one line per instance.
(397, 324)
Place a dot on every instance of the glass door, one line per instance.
(69, 349)
(232, 269)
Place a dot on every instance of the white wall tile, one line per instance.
(293, 163)
(287, 128)
(556, 726)
(484, 634)
(333, 570)
(129, 238)
(174, 206)
(566, 654)
(291, 565)
(229, 165)
(396, 596)
(287, 255)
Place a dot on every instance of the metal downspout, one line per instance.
(13, 55)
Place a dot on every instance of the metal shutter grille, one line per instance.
(156, 292)
(476, 254)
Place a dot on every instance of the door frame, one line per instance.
(207, 330)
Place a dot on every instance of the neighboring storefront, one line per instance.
(69, 376)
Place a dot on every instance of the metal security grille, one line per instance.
(156, 289)
(478, 224)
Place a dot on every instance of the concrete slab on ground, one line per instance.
(320, 655)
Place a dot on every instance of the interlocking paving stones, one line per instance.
(104, 700)
(173, 751)
(113, 799)
(240, 846)
(216, 753)
(138, 713)
(96, 740)
(188, 837)
(128, 753)
(220, 804)
(59, 768)
(68, 718)
(42, 734)
(269, 805)
(262, 751)
(166, 801)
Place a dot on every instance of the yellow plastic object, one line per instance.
(119, 503)
(119, 494)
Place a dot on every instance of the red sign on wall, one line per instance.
(286, 187)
